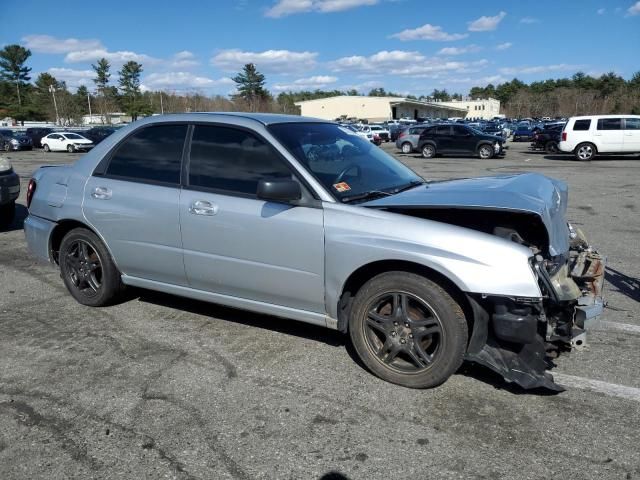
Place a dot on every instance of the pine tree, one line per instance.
(129, 83)
(251, 86)
(102, 85)
(12, 68)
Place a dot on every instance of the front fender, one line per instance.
(475, 262)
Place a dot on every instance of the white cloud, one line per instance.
(117, 58)
(504, 46)
(49, 44)
(428, 32)
(183, 59)
(362, 87)
(459, 50)
(601, 11)
(486, 24)
(181, 80)
(529, 20)
(318, 81)
(282, 8)
(539, 69)
(634, 9)
(73, 78)
(269, 61)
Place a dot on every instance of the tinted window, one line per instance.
(610, 124)
(442, 130)
(151, 154)
(632, 123)
(582, 125)
(460, 131)
(232, 160)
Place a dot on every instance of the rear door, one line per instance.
(609, 135)
(238, 245)
(632, 134)
(55, 141)
(443, 138)
(133, 203)
(462, 140)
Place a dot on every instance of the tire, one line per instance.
(7, 147)
(551, 147)
(418, 349)
(46, 147)
(585, 152)
(70, 148)
(87, 269)
(7, 214)
(485, 152)
(428, 151)
(406, 148)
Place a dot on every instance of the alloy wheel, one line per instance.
(585, 152)
(84, 267)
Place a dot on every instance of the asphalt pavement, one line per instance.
(163, 387)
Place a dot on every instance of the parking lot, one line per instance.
(164, 387)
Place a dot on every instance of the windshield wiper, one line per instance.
(365, 196)
(411, 184)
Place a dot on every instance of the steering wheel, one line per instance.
(344, 171)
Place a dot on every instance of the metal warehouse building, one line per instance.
(376, 109)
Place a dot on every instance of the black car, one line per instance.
(548, 138)
(10, 140)
(98, 134)
(36, 134)
(459, 140)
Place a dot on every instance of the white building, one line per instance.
(376, 109)
(485, 108)
(111, 118)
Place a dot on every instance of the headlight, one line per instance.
(14, 141)
(5, 165)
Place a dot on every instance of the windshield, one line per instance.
(345, 163)
(73, 136)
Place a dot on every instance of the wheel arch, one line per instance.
(61, 229)
(366, 272)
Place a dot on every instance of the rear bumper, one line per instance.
(37, 231)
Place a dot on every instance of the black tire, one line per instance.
(406, 148)
(427, 349)
(46, 147)
(71, 148)
(90, 275)
(485, 151)
(7, 214)
(7, 147)
(551, 147)
(585, 152)
(428, 150)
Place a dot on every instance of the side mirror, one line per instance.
(279, 190)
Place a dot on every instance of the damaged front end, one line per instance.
(518, 337)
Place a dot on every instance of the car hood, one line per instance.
(527, 192)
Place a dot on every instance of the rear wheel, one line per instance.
(551, 147)
(46, 147)
(7, 147)
(87, 269)
(428, 151)
(408, 330)
(485, 151)
(407, 148)
(70, 148)
(585, 151)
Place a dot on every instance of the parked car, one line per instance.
(382, 132)
(420, 275)
(548, 139)
(408, 140)
(11, 140)
(494, 129)
(459, 140)
(98, 134)
(9, 192)
(36, 134)
(69, 141)
(523, 133)
(589, 136)
(395, 129)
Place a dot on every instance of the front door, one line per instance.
(238, 245)
(462, 140)
(134, 204)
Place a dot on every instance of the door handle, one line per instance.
(203, 207)
(101, 193)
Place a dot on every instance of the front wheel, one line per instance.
(485, 151)
(70, 148)
(407, 148)
(551, 147)
(408, 330)
(428, 151)
(585, 151)
(87, 269)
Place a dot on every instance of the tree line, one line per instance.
(50, 99)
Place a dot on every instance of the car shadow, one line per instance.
(243, 317)
(488, 376)
(628, 286)
(21, 213)
(604, 158)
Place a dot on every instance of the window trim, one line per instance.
(600, 121)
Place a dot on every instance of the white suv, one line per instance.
(591, 135)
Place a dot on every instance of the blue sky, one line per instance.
(407, 46)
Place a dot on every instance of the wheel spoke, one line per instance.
(389, 351)
(379, 322)
(84, 252)
(92, 282)
(416, 358)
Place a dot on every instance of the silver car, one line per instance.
(409, 138)
(305, 219)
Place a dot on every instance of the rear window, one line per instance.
(632, 123)
(582, 125)
(610, 124)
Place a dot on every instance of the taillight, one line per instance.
(31, 189)
(402, 134)
(564, 136)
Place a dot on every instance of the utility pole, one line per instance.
(161, 106)
(52, 89)
(89, 102)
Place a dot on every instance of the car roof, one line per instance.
(626, 115)
(264, 118)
